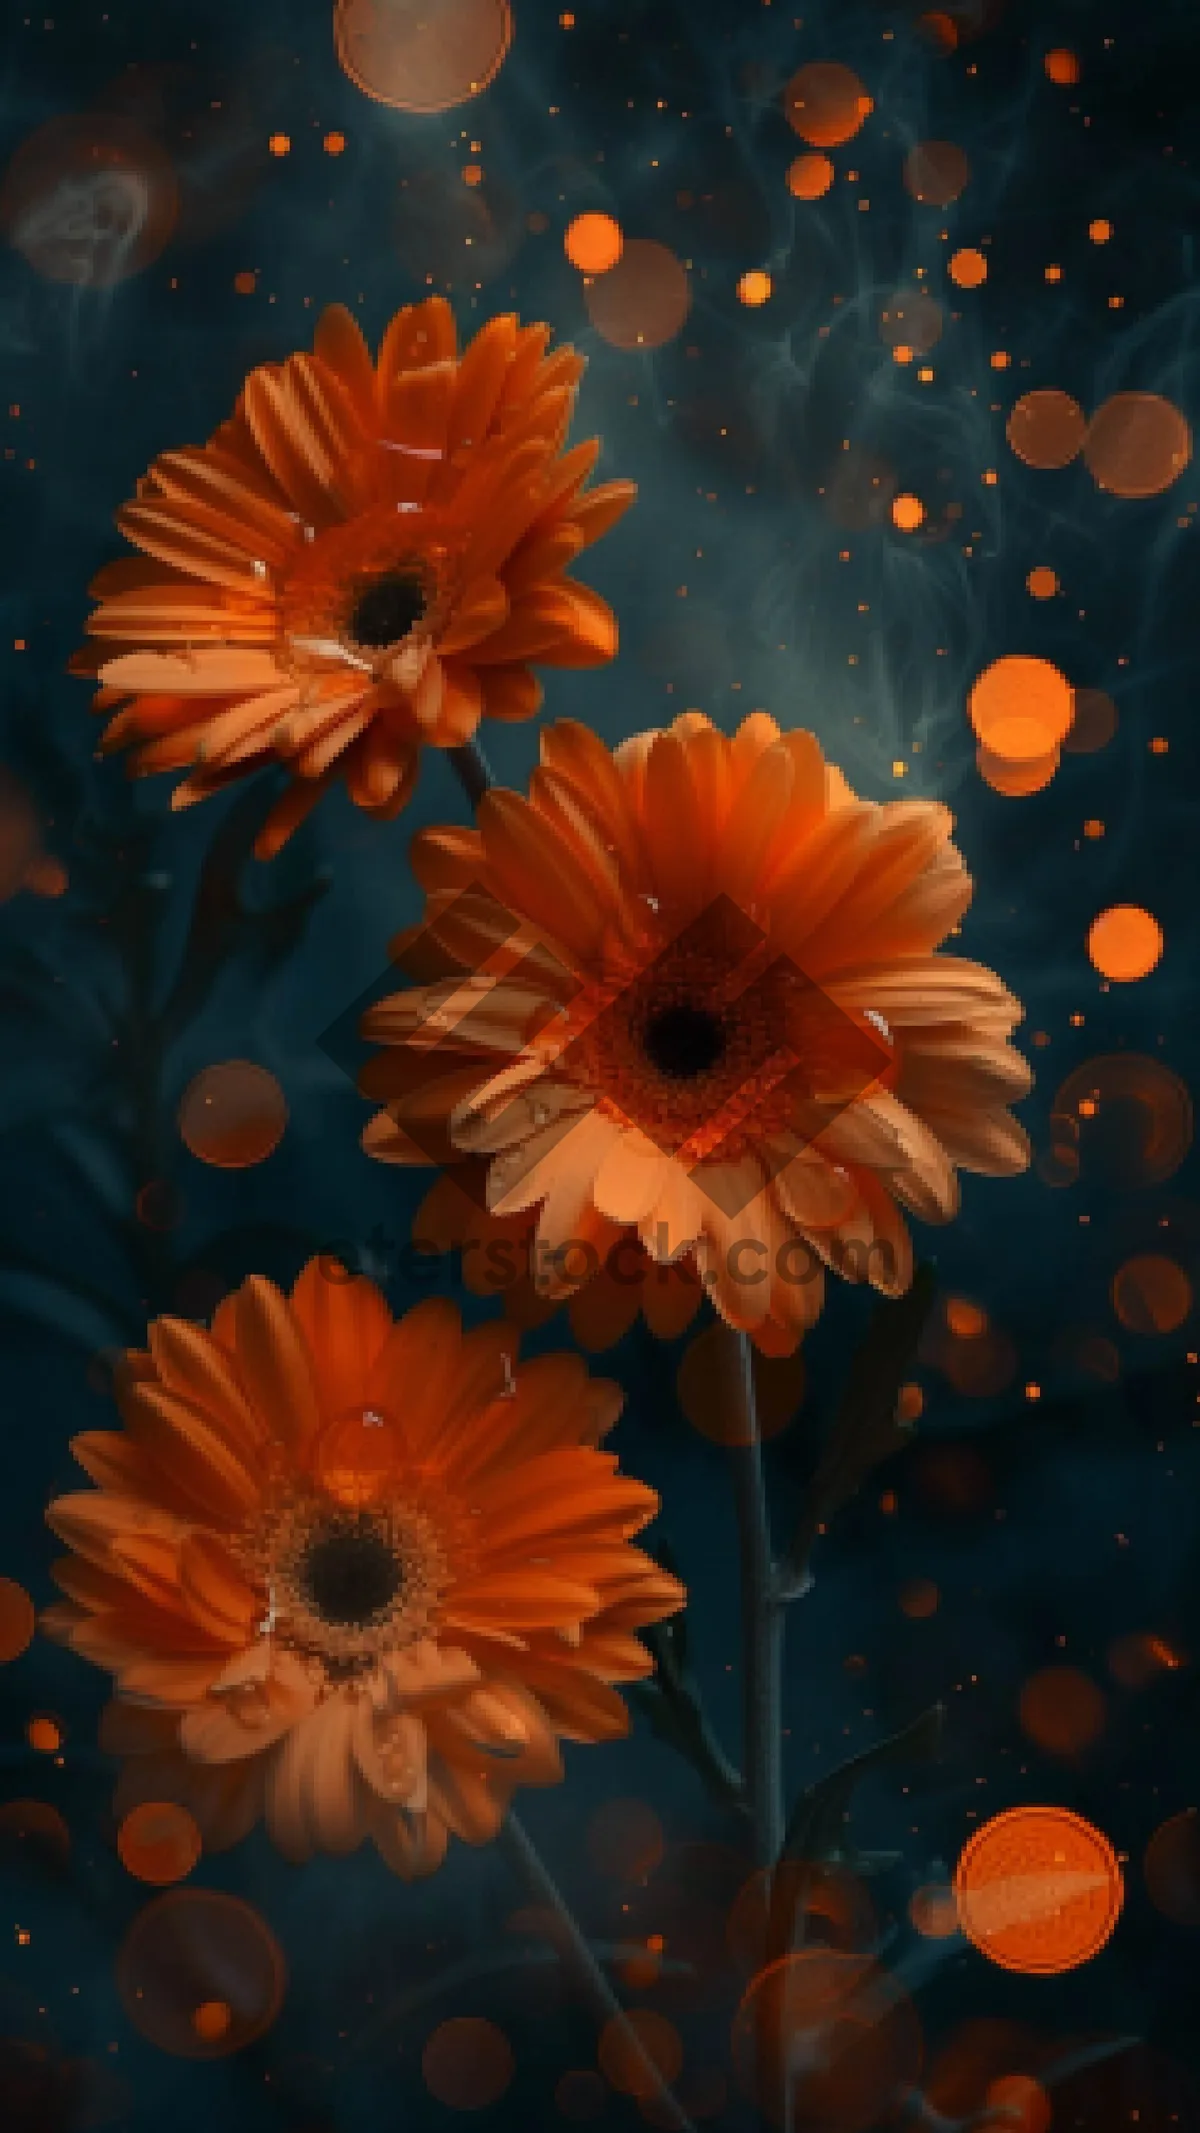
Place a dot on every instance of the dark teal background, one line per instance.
(1088, 1525)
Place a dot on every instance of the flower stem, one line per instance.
(762, 1612)
(473, 770)
(526, 1861)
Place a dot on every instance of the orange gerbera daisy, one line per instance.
(692, 996)
(368, 556)
(360, 1576)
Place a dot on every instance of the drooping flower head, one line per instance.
(366, 557)
(357, 1575)
(692, 1002)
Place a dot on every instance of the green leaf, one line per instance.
(865, 1429)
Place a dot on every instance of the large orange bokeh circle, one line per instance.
(1021, 708)
(18, 1620)
(936, 172)
(1047, 429)
(233, 1115)
(1038, 1890)
(89, 200)
(1125, 943)
(1151, 1294)
(189, 1953)
(1137, 444)
(159, 1842)
(826, 104)
(420, 58)
(467, 2063)
(826, 2040)
(643, 300)
(593, 243)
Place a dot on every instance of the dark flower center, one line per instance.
(388, 609)
(350, 1573)
(684, 1041)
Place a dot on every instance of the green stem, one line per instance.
(528, 1864)
(762, 1612)
(473, 770)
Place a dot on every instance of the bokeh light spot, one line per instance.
(1022, 2104)
(1062, 66)
(919, 1599)
(1021, 707)
(593, 243)
(44, 1734)
(1061, 1710)
(912, 320)
(1151, 1294)
(18, 1620)
(1100, 230)
(968, 268)
(826, 2040)
(939, 30)
(643, 301)
(932, 1911)
(1042, 583)
(810, 177)
(190, 1951)
(1047, 429)
(1130, 1117)
(233, 1115)
(712, 1401)
(467, 2063)
(1016, 780)
(754, 288)
(1137, 444)
(1038, 1890)
(1094, 723)
(826, 104)
(422, 58)
(908, 513)
(1171, 1867)
(1125, 943)
(159, 1843)
(936, 172)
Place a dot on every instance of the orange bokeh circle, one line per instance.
(593, 243)
(232, 1115)
(1130, 1115)
(1022, 2104)
(1094, 723)
(1016, 780)
(1171, 1866)
(18, 1620)
(1061, 1710)
(711, 1397)
(159, 1842)
(1151, 1294)
(189, 1952)
(1021, 708)
(826, 104)
(1047, 429)
(467, 2063)
(1062, 66)
(826, 2040)
(1125, 943)
(810, 176)
(89, 200)
(422, 59)
(1137, 444)
(968, 268)
(936, 172)
(1039, 1890)
(643, 300)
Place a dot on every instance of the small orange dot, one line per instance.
(44, 1735)
(1125, 943)
(593, 243)
(809, 177)
(1158, 745)
(754, 288)
(245, 284)
(907, 513)
(1054, 273)
(1093, 827)
(1000, 359)
(212, 2020)
(902, 353)
(1062, 66)
(279, 144)
(1100, 231)
(968, 268)
(1033, 1392)
(334, 144)
(1042, 583)
(472, 173)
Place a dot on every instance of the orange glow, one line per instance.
(979, 1368)
(1139, 1118)
(1171, 1867)
(625, 1840)
(32, 1828)
(1100, 231)
(1137, 444)
(941, 30)
(1062, 66)
(826, 2040)
(919, 1599)
(44, 1734)
(809, 177)
(357, 1456)
(422, 59)
(911, 319)
(245, 283)
(1042, 583)
(1061, 1710)
(816, 1892)
(908, 513)
(1038, 1890)
(712, 1401)
(1134, 1661)
(1093, 827)
(967, 1321)
(933, 1911)
(1021, 708)
(624, 2067)
(910, 1403)
(212, 2021)
(200, 1974)
(232, 1115)
(593, 243)
(334, 144)
(825, 104)
(754, 288)
(1022, 2102)
(968, 268)
(1094, 723)
(17, 1620)
(1125, 943)
(1151, 1294)
(467, 2063)
(279, 144)
(935, 172)
(159, 1842)
(1047, 429)
(89, 201)
(643, 301)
